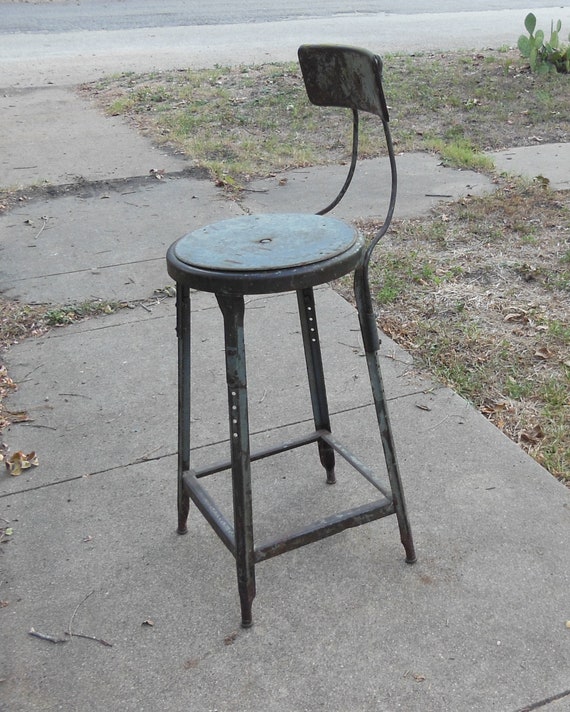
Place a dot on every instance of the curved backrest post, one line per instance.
(349, 77)
(393, 194)
(351, 169)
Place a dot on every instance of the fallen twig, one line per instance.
(90, 637)
(146, 456)
(461, 420)
(71, 634)
(68, 632)
(422, 391)
(355, 347)
(42, 227)
(45, 636)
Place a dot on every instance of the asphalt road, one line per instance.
(92, 15)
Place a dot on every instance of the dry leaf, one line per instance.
(231, 638)
(19, 461)
(544, 352)
(533, 436)
(491, 407)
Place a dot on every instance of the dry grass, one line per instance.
(243, 122)
(479, 293)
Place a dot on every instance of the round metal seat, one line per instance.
(259, 254)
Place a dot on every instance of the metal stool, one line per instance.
(265, 254)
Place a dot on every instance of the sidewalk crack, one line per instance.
(543, 703)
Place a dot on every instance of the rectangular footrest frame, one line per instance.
(320, 529)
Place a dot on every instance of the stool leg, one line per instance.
(313, 359)
(371, 341)
(232, 308)
(183, 333)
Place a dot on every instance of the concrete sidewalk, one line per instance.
(344, 625)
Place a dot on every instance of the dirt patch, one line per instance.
(89, 189)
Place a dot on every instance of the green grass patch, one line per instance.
(62, 315)
(459, 153)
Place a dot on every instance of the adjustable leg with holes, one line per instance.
(311, 344)
(232, 308)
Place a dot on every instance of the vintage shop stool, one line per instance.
(273, 253)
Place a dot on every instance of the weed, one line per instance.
(560, 331)
(460, 153)
(60, 316)
(518, 389)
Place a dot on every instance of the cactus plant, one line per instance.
(544, 56)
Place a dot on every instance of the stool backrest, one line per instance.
(347, 77)
(350, 77)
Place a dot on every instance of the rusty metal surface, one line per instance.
(343, 76)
